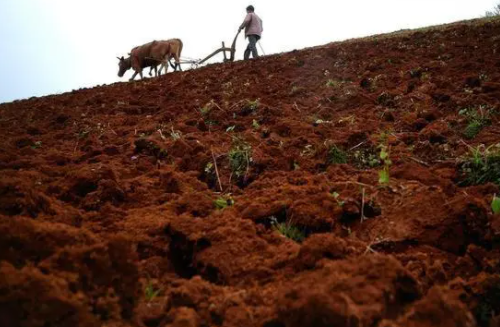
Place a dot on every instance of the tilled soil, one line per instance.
(108, 212)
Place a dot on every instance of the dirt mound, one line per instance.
(349, 184)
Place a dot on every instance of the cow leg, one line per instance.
(165, 63)
(177, 62)
(156, 70)
(150, 71)
(140, 73)
(133, 76)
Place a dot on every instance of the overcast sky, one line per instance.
(54, 46)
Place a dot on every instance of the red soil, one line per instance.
(104, 206)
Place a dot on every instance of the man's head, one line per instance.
(250, 9)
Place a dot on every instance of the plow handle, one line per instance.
(233, 46)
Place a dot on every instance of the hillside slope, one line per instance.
(111, 212)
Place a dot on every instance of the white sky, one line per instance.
(53, 46)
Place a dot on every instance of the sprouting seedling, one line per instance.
(333, 83)
(209, 168)
(240, 157)
(176, 135)
(230, 128)
(336, 196)
(223, 202)
(255, 124)
(150, 292)
(37, 145)
(383, 174)
(477, 119)
(495, 205)
(288, 230)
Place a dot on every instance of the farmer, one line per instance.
(253, 31)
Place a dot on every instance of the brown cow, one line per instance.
(147, 55)
(176, 46)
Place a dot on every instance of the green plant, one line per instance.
(336, 196)
(209, 168)
(481, 165)
(223, 202)
(240, 157)
(477, 119)
(288, 230)
(150, 292)
(365, 158)
(176, 135)
(495, 205)
(335, 83)
(255, 124)
(252, 105)
(37, 145)
(308, 151)
(383, 174)
(336, 156)
(230, 129)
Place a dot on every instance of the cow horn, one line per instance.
(118, 58)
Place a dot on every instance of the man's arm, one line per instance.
(247, 20)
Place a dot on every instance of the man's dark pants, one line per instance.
(252, 46)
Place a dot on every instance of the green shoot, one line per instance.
(240, 157)
(150, 292)
(255, 124)
(336, 196)
(176, 135)
(336, 156)
(477, 119)
(495, 205)
(37, 145)
(481, 166)
(223, 202)
(383, 174)
(289, 231)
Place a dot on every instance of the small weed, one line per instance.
(383, 174)
(223, 202)
(495, 205)
(37, 145)
(175, 135)
(308, 151)
(252, 105)
(348, 119)
(150, 292)
(477, 119)
(230, 129)
(416, 73)
(209, 168)
(296, 90)
(255, 124)
(333, 83)
(240, 157)
(83, 134)
(480, 166)
(205, 111)
(336, 196)
(336, 156)
(288, 230)
(365, 158)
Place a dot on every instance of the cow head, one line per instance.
(124, 65)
